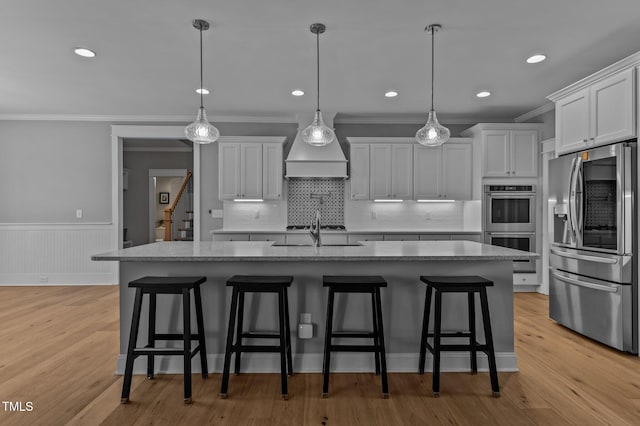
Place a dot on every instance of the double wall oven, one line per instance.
(510, 220)
(593, 276)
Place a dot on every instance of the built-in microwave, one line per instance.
(510, 208)
(525, 241)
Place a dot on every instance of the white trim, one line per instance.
(252, 139)
(312, 363)
(623, 64)
(69, 225)
(157, 149)
(397, 140)
(409, 119)
(196, 193)
(55, 280)
(501, 126)
(550, 106)
(149, 118)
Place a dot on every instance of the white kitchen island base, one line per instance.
(400, 263)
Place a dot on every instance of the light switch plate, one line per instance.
(78, 213)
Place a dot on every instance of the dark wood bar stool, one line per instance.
(457, 284)
(258, 284)
(166, 285)
(355, 284)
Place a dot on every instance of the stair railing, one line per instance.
(168, 212)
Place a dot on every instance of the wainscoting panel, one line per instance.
(53, 254)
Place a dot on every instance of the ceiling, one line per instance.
(259, 51)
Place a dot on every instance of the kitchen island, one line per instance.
(400, 262)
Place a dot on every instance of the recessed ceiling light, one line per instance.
(391, 94)
(203, 91)
(297, 92)
(536, 58)
(81, 51)
(483, 94)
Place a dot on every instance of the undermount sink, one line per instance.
(311, 245)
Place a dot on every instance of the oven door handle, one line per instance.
(595, 259)
(579, 283)
(512, 234)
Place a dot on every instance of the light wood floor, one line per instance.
(59, 346)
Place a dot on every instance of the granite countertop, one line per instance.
(186, 251)
(349, 231)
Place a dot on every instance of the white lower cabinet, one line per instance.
(467, 237)
(276, 238)
(401, 237)
(230, 237)
(354, 238)
(434, 237)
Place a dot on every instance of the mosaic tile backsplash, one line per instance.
(302, 207)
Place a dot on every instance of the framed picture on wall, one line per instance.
(163, 198)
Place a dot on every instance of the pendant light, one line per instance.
(433, 133)
(201, 131)
(317, 133)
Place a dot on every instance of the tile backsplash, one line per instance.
(301, 207)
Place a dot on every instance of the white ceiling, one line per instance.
(258, 51)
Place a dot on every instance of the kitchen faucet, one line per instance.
(314, 229)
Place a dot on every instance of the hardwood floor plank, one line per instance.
(59, 346)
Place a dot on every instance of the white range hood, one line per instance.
(306, 161)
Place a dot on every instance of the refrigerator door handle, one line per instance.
(579, 283)
(596, 259)
(572, 200)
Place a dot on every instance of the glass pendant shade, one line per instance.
(433, 133)
(201, 131)
(317, 133)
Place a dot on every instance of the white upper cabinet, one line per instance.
(509, 150)
(444, 172)
(391, 171)
(603, 112)
(359, 164)
(251, 170)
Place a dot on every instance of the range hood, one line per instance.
(306, 161)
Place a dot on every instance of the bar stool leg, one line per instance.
(493, 370)
(151, 340)
(326, 366)
(472, 332)
(436, 344)
(239, 331)
(227, 353)
(133, 339)
(288, 332)
(283, 344)
(201, 336)
(425, 330)
(383, 361)
(376, 332)
(186, 326)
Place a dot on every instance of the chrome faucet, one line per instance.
(314, 230)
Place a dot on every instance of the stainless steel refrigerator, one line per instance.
(593, 274)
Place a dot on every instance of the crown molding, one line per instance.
(252, 139)
(418, 119)
(623, 64)
(149, 118)
(549, 106)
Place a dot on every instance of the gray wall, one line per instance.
(48, 169)
(136, 198)
(549, 121)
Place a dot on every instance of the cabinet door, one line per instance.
(401, 237)
(251, 170)
(427, 172)
(496, 153)
(467, 237)
(572, 122)
(524, 153)
(402, 171)
(276, 238)
(380, 171)
(228, 171)
(359, 163)
(613, 109)
(457, 171)
(272, 171)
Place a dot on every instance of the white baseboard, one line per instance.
(526, 288)
(312, 363)
(56, 279)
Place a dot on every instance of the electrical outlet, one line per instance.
(427, 215)
(257, 215)
(78, 213)
(44, 279)
(373, 214)
(305, 318)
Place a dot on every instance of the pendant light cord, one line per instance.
(318, 71)
(201, 86)
(433, 35)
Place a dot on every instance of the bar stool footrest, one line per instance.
(354, 348)
(345, 334)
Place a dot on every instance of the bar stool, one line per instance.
(355, 284)
(457, 284)
(166, 285)
(258, 284)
